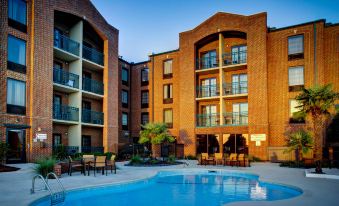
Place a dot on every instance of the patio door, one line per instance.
(239, 83)
(239, 54)
(209, 59)
(240, 111)
(16, 139)
(210, 115)
(209, 87)
(86, 143)
(57, 113)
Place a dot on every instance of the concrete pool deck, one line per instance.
(15, 186)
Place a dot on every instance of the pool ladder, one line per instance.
(58, 195)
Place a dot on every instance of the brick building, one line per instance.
(230, 87)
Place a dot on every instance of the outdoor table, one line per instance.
(86, 163)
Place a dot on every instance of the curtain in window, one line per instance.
(16, 92)
(296, 44)
(16, 50)
(17, 10)
(168, 67)
(168, 116)
(168, 91)
(296, 76)
(144, 75)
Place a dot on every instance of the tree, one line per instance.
(317, 102)
(155, 133)
(300, 141)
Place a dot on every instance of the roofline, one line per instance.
(166, 52)
(297, 25)
(330, 24)
(143, 62)
(120, 59)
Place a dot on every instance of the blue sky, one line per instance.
(154, 25)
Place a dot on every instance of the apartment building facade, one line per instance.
(58, 69)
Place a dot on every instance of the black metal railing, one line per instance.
(207, 91)
(235, 88)
(65, 78)
(208, 120)
(92, 55)
(90, 149)
(91, 85)
(92, 117)
(207, 62)
(234, 58)
(63, 151)
(64, 112)
(66, 44)
(236, 118)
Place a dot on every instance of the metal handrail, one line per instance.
(61, 187)
(45, 183)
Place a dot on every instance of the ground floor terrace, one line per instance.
(15, 186)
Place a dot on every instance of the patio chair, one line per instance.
(218, 158)
(111, 164)
(205, 159)
(86, 161)
(231, 160)
(74, 164)
(243, 160)
(99, 163)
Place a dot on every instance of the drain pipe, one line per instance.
(315, 53)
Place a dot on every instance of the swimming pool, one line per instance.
(181, 188)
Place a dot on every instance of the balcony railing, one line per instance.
(208, 120)
(66, 44)
(91, 85)
(92, 55)
(236, 118)
(64, 151)
(65, 78)
(207, 91)
(92, 117)
(90, 149)
(234, 58)
(207, 63)
(235, 88)
(64, 112)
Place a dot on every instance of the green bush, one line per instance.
(171, 159)
(136, 160)
(191, 157)
(59, 152)
(4, 147)
(254, 158)
(45, 166)
(154, 161)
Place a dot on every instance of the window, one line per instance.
(167, 69)
(16, 97)
(295, 115)
(208, 88)
(16, 54)
(296, 78)
(239, 54)
(86, 144)
(144, 118)
(144, 77)
(168, 94)
(239, 84)
(124, 76)
(124, 98)
(17, 14)
(57, 140)
(296, 47)
(208, 60)
(209, 116)
(124, 121)
(240, 113)
(168, 117)
(144, 99)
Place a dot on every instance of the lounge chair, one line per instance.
(100, 162)
(205, 159)
(232, 160)
(86, 161)
(74, 164)
(218, 158)
(243, 160)
(111, 164)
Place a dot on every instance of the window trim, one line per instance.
(291, 119)
(144, 83)
(125, 104)
(295, 88)
(144, 105)
(124, 127)
(11, 108)
(168, 75)
(295, 56)
(16, 24)
(142, 114)
(167, 100)
(13, 66)
(123, 81)
(169, 124)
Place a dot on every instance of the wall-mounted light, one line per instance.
(39, 129)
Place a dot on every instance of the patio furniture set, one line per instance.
(88, 162)
(220, 159)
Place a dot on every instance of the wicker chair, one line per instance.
(218, 158)
(99, 163)
(243, 160)
(74, 164)
(232, 159)
(111, 164)
(86, 161)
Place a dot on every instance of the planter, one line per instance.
(57, 170)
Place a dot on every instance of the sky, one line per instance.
(147, 26)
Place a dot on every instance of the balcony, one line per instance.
(235, 88)
(65, 78)
(207, 63)
(234, 58)
(92, 86)
(236, 118)
(92, 117)
(66, 48)
(206, 91)
(95, 59)
(208, 120)
(65, 113)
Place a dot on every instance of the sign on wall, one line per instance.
(257, 138)
(40, 136)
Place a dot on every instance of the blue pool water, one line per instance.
(181, 189)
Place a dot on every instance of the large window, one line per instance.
(17, 14)
(16, 96)
(168, 69)
(295, 115)
(168, 117)
(124, 120)
(144, 118)
(168, 94)
(295, 47)
(144, 77)
(124, 76)
(124, 98)
(144, 99)
(296, 78)
(208, 88)
(240, 113)
(16, 54)
(239, 54)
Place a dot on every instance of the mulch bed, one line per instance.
(4, 168)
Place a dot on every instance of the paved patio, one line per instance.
(15, 186)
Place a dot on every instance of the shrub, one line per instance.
(191, 157)
(45, 166)
(154, 161)
(171, 159)
(4, 147)
(59, 152)
(254, 158)
(136, 160)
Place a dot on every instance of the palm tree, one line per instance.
(300, 141)
(317, 102)
(155, 133)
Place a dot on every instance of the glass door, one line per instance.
(17, 146)
(209, 59)
(210, 115)
(209, 87)
(240, 113)
(57, 110)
